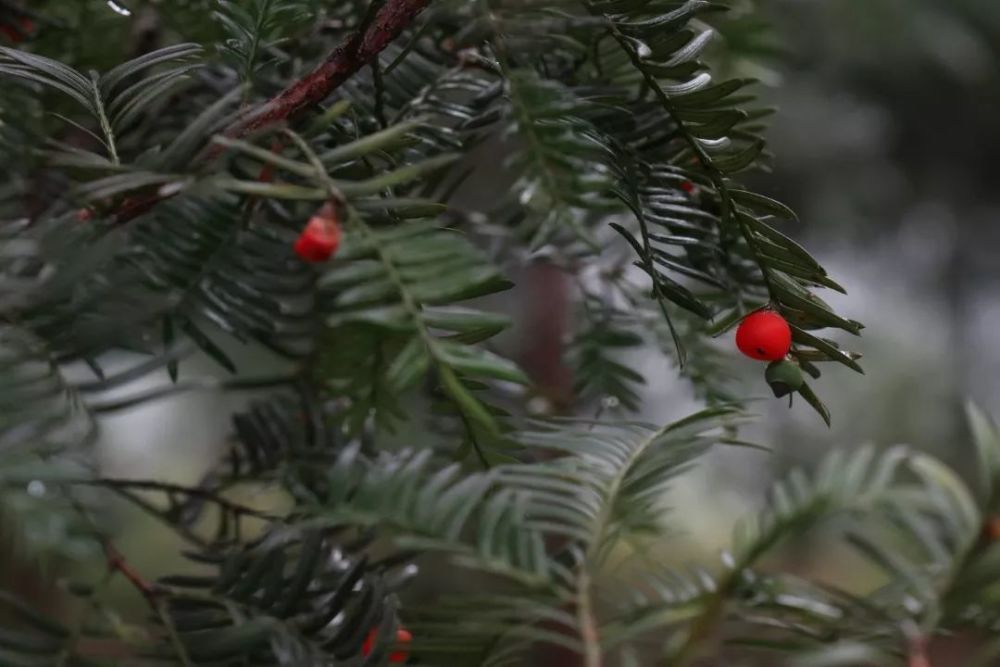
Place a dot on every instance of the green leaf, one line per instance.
(763, 205)
(396, 177)
(466, 402)
(411, 364)
(478, 362)
(119, 74)
(390, 138)
(986, 438)
(704, 96)
(828, 348)
(195, 134)
(779, 240)
(68, 78)
(731, 164)
(231, 642)
(813, 400)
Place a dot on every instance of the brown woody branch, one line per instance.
(359, 50)
(114, 559)
(343, 62)
(117, 563)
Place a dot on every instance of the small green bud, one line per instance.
(784, 377)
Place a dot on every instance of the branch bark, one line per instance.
(359, 50)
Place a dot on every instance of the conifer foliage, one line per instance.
(305, 178)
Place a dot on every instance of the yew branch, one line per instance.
(358, 51)
(342, 63)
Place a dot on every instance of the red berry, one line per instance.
(403, 638)
(84, 214)
(991, 529)
(266, 174)
(25, 27)
(321, 237)
(687, 186)
(764, 335)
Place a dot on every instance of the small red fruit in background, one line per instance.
(321, 236)
(687, 186)
(764, 335)
(25, 28)
(991, 529)
(403, 638)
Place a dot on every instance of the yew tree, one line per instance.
(331, 200)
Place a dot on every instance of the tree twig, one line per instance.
(175, 489)
(117, 563)
(115, 559)
(359, 50)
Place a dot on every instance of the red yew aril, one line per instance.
(321, 237)
(764, 335)
(25, 28)
(991, 529)
(403, 639)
